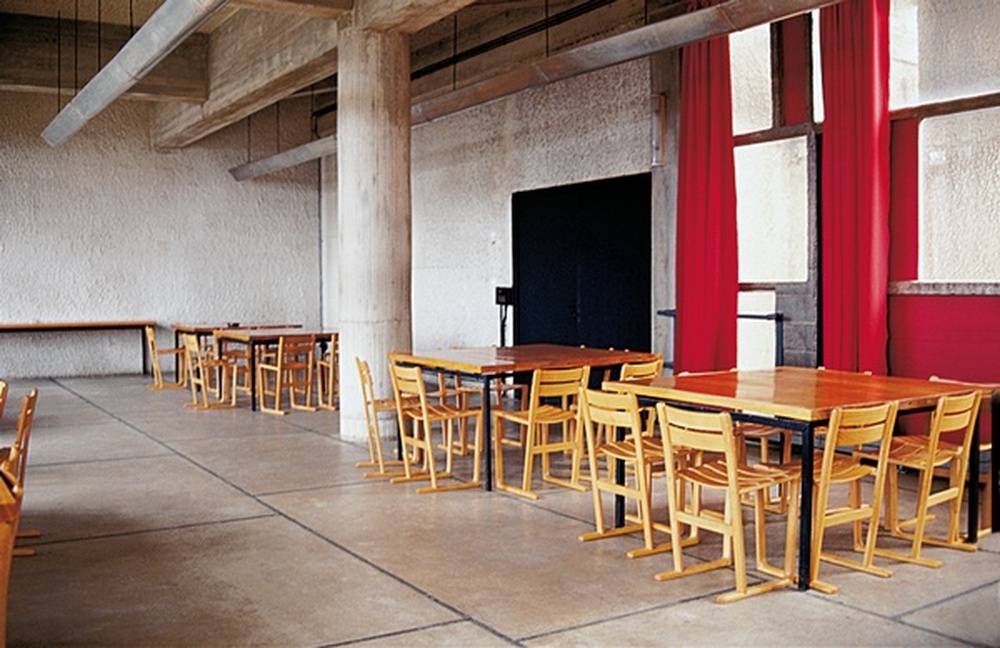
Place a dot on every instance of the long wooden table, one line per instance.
(487, 363)
(255, 337)
(110, 325)
(802, 399)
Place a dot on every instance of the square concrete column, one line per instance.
(373, 186)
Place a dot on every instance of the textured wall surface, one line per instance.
(104, 228)
(467, 166)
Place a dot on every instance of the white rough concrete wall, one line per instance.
(467, 166)
(104, 228)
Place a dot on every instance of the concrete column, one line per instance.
(373, 150)
(665, 89)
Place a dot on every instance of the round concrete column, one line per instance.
(373, 188)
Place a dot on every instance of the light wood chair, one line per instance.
(954, 415)
(14, 465)
(644, 371)
(237, 354)
(3, 396)
(636, 452)
(464, 392)
(155, 353)
(711, 436)
(416, 432)
(850, 432)
(374, 407)
(328, 368)
(559, 385)
(203, 369)
(291, 370)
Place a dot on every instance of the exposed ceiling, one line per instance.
(254, 53)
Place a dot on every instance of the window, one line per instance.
(750, 71)
(772, 211)
(959, 197)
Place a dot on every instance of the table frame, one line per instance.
(774, 399)
(487, 363)
(114, 325)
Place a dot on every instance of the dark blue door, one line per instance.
(582, 264)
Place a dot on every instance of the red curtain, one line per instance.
(854, 39)
(707, 263)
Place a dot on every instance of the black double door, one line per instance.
(582, 264)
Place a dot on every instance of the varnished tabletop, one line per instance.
(270, 334)
(797, 393)
(491, 360)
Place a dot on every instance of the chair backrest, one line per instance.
(297, 348)
(15, 465)
(558, 383)
(3, 396)
(367, 389)
(408, 383)
(955, 416)
(192, 349)
(858, 426)
(151, 340)
(651, 369)
(612, 410)
(698, 431)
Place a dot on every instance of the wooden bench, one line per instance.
(62, 327)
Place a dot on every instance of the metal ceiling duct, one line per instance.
(167, 28)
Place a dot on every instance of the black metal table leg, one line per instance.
(806, 506)
(487, 437)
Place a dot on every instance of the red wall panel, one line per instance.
(950, 336)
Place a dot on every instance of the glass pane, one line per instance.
(960, 197)
(755, 339)
(750, 69)
(817, 70)
(772, 211)
(904, 54)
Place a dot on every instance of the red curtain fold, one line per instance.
(854, 40)
(707, 262)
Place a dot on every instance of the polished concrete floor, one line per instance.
(164, 526)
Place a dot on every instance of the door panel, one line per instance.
(582, 264)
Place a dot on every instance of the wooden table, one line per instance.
(801, 399)
(487, 363)
(205, 330)
(257, 336)
(111, 325)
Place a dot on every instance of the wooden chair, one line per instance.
(374, 407)
(202, 369)
(291, 370)
(923, 454)
(3, 396)
(463, 392)
(14, 464)
(852, 429)
(644, 371)
(637, 453)
(416, 431)
(237, 354)
(154, 358)
(328, 367)
(562, 386)
(711, 435)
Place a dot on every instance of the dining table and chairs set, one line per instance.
(274, 364)
(607, 423)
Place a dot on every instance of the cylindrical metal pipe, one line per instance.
(174, 21)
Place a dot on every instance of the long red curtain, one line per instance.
(854, 39)
(707, 263)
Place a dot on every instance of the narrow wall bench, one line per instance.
(63, 327)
